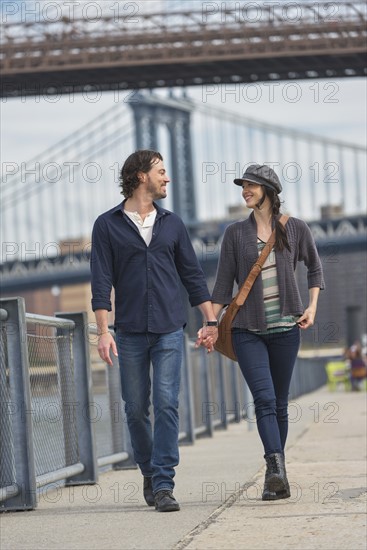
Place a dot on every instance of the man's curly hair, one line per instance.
(140, 161)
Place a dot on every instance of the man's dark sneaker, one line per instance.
(148, 491)
(166, 502)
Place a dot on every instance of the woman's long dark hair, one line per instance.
(281, 240)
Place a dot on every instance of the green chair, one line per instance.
(337, 374)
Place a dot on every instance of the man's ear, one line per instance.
(141, 177)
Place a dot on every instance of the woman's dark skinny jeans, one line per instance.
(267, 362)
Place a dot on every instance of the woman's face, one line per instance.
(252, 193)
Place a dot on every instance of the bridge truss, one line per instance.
(284, 41)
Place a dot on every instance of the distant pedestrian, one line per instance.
(143, 251)
(357, 366)
(265, 332)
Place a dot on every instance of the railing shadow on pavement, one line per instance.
(62, 416)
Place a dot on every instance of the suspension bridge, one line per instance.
(57, 195)
(54, 51)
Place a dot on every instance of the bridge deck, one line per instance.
(180, 50)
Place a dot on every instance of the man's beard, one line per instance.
(156, 193)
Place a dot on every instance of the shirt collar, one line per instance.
(160, 211)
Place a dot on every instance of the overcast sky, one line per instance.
(331, 108)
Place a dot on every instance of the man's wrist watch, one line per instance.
(211, 323)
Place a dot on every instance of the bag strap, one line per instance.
(257, 267)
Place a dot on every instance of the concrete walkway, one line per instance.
(219, 484)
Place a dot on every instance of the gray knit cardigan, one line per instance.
(238, 254)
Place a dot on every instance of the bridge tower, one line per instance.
(151, 111)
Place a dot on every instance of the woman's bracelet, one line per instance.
(101, 333)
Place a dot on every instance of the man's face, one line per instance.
(156, 181)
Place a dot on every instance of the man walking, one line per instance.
(143, 250)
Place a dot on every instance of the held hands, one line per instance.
(207, 336)
(106, 343)
(307, 319)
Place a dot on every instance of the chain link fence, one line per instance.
(51, 374)
(7, 465)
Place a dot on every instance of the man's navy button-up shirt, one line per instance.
(146, 279)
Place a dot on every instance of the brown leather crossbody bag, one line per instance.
(224, 342)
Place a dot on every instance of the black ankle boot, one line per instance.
(276, 484)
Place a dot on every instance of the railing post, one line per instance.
(18, 364)
(7, 467)
(187, 391)
(222, 391)
(84, 397)
(207, 394)
(65, 374)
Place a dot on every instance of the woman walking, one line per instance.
(266, 330)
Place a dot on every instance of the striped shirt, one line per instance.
(274, 320)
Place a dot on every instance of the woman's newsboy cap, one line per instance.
(262, 175)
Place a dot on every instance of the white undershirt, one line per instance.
(145, 226)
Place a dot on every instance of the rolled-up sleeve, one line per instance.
(101, 264)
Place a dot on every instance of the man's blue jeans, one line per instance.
(267, 362)
(156, 454)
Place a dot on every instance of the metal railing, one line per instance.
(62, 416)
(213, 393)
(113, 445)
(44, 376)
